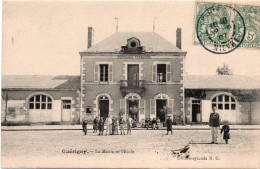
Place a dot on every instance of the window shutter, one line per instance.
(152, 106)
(96, 73)
(122, 105)
(154, 72)
(168, 72)
(142, 111)
(170, 105)
(110, 73)
(142, 106)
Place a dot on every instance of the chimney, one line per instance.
(90, 34)
(178, 38)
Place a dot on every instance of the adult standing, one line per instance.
(109, 125)
(84, 126)
(214, 123)
(95, 125)
(129, 122)
(169, 124)
(101, 126)
(122, 125)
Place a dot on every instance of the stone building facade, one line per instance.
(132, 74)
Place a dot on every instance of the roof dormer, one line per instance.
(133, 46)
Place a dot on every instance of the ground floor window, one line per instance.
(224, 102)
(40, 102)
(66, 104)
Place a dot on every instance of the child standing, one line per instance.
(226, 135)
(113, 125)
(116, 126)
(158, 122)
(154, 123)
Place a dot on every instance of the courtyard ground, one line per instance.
(144, 148)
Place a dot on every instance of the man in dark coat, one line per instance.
(101, 126)
(84, 126)
(169, 124)
(214, 123)
(95, 125)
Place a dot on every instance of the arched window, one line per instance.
(224, 102)
(103, 98)
(161, 96)
(133, 96)
(40, 102)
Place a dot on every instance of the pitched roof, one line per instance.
(151, 40)
(40, 82)
(221, 82)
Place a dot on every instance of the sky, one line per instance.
(45, 37)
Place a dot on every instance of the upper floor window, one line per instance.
(40, 102)
(162, 72)
(103, 72)
(224, 102)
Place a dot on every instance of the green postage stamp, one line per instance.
(221, 28)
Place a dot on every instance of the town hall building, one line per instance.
(139, 75)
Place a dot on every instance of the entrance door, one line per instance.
(104, 108)
(196, 114)
(133, 75)
(160, 109)
(66, 111)
(133, 109)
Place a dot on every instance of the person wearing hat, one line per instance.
(101, 126)
(226, 129)
(169, 124)
(214, 123)
(95, 125)
(122, 125)
(84, 126)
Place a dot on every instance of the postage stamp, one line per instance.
(221, 28)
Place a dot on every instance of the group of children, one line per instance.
(152, 123)
(113, 125)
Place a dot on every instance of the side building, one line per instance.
(132, 74)
(40, 100)
(237, 98)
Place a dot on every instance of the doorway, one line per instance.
(133, 109)
(104, 108)
(133, 74)
(196, 112)
(66, 111)
(161, 105)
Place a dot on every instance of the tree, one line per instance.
(224, 70)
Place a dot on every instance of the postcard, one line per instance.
(130, 84)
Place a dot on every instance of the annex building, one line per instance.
(40, 99)
(136, 74)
